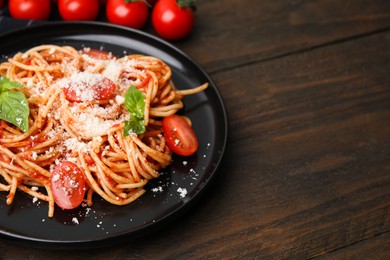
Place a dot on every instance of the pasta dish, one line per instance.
(74, 123)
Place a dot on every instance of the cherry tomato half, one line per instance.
(68, 185)
(78, 10)
(98, 54)
(30, 9)
(103, 89)
(133, 14)
(172, 21)
(180, 136)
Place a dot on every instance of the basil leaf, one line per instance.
(6, 84)
(14, 109)
(135, 104)
(134, 126)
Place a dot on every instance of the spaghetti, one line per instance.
(69, 122)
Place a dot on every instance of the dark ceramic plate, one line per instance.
(26, 220)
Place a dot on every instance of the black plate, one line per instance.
(28, 221)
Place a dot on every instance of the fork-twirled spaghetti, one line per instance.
(77, 115)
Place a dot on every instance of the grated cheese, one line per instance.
(113, 71)
(182, 192)
(75, 221)
(92, 125)
(79, 83)
(74, 144)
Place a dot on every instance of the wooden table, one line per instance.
(307, 168)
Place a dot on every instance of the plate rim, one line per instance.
(180, 209)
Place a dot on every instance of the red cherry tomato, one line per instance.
(78, 10)
(30, 9)
(180, 136)
(68, 185)
(102, 89)
(128, 13)
(98, 54)
(172, 21)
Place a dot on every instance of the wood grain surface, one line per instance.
(306, 173)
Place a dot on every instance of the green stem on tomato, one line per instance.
(134, 1)
(187, 3)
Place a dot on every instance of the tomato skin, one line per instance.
(105, 90)
(98, 54)
(179, 135)
(30, 9)
(131, 14)
(78, 10)
(101, 91)
(171, 21)
(68, 185)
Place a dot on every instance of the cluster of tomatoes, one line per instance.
(171, 19)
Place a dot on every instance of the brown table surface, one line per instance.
(306, 172)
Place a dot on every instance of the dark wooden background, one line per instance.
(306, 173)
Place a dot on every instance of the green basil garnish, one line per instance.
(13, 105)
(135, 104)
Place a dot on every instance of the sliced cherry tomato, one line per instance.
(131, 13)
(101, 89)
(105, 89)
(180, 136)
(30, 9)
(98, 54)
(68, 185)
(80, 10)
(173, 19)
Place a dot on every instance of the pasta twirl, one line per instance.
(69, 122)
